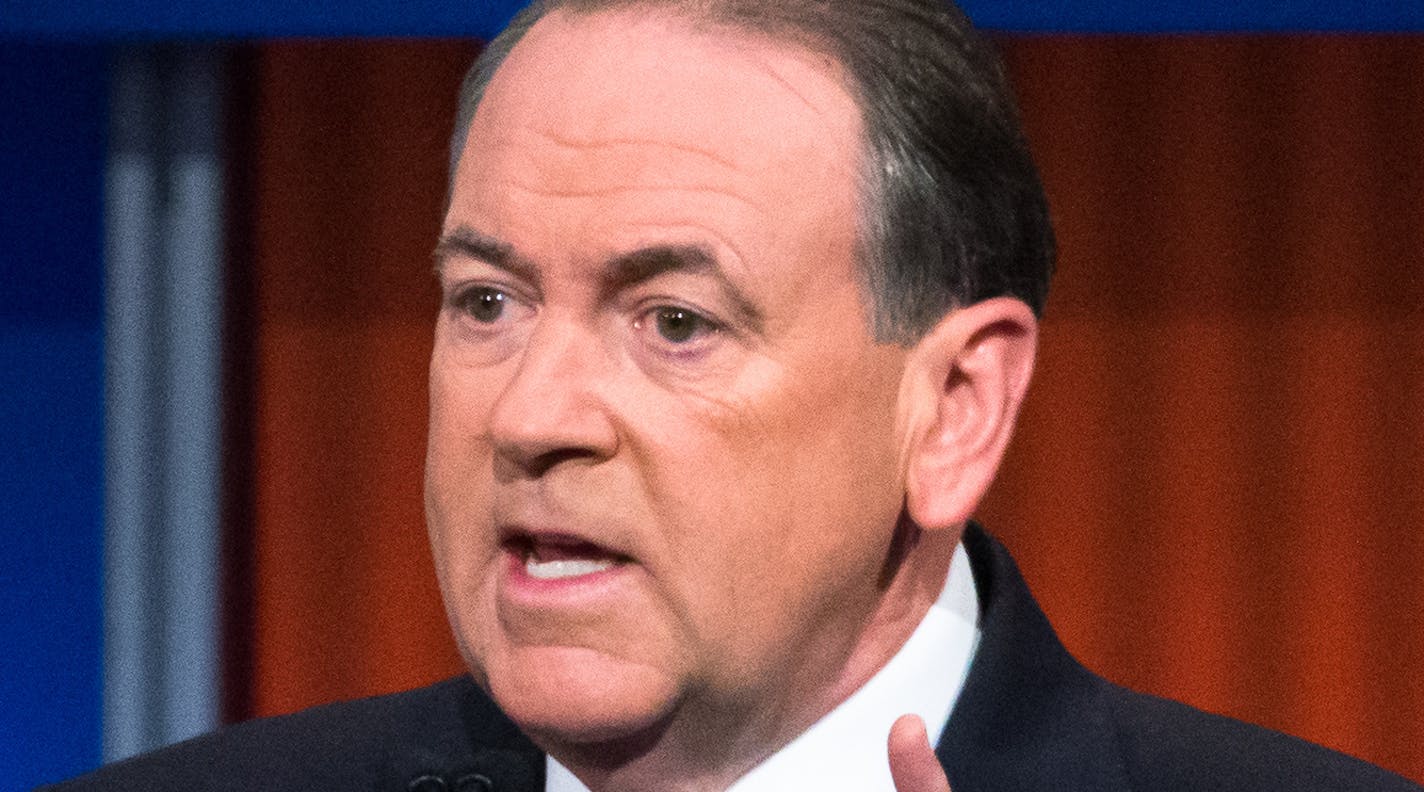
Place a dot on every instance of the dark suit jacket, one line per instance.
(1029, 718)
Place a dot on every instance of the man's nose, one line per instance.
(552, 410)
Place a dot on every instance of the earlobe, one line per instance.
(969, 375)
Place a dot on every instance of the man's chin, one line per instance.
(568, 696)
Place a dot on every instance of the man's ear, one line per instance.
(964, 383)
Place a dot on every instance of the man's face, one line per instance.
(664, 457)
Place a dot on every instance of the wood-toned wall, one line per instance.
(1216, 490)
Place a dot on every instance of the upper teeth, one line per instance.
(547, 570)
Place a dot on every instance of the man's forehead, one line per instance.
(620, 76)
(604, 133)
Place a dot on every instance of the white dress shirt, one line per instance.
(846, 749)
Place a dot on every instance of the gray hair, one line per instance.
(952, 210)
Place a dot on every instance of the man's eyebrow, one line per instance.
(639, 266)
(467, 243)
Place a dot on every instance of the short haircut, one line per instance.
(952, 209)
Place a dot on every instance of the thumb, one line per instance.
(913, 765)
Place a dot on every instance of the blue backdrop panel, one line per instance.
(51, 408)
(482, 17)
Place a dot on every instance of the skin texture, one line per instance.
(722, 426)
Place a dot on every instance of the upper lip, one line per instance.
(522, 535)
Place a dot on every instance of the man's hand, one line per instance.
(912, 761)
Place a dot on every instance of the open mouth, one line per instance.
(547, 557)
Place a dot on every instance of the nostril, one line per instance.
(549, 459)
(514, 462)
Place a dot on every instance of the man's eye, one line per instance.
(679, 325)
(484, 304)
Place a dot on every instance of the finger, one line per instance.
(913, 765)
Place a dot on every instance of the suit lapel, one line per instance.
(1030, 717)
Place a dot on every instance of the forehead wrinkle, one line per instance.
(602, 192)
(575, 146)
(568, 141)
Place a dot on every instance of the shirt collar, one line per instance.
(845, 749)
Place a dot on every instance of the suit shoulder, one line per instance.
(1169, 745)
(363, 744)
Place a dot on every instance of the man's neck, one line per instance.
(709, 751)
